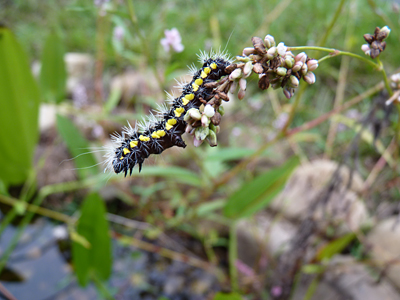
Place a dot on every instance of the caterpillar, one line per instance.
(164, 129)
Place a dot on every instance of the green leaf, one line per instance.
(52, 73)
(78, 147)
(113, 100)
(19, 110)
(230, 296)
(335, 246)
(209, 207)
(258, 193)
(176, 173)
(313, 269)
(93, 227)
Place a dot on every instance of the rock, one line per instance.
(47, 116)
(385, 247)
(262, 233)
(135, 83)
(343, 207)
(354, 280)
(79, 68)
(174, 284)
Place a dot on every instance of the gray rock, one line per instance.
(356, 281)
(307, 183)
(385, 247)
(173, 285)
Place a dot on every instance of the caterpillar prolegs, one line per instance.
(165, 129)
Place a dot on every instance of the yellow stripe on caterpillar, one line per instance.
(195, 87)
(170, 123)
(213, 66)
(179, 111)
(126, 151)
(185, 101)
(133, 144)
(144, 138)
(198, 81)
(189, 96)
(207, 70)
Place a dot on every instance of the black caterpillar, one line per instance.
(164, 130)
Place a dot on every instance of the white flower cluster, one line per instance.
(277, 67)
(207, 131)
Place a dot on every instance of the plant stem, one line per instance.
(332, 23)
(102, 287)
(37, 209)
(385, 79)
(233, 257)
(334, 52)
(294, 107)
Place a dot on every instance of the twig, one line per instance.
(6, 293)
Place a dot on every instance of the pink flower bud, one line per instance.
(249, 50)
(243, 84)
(188, 128)
(297, 66)
(233, 87)
(304, 69)
(271, 53)
(301, 57)
(248, 67)
(281, 49)
(309, 78)
(287, 93)
(269, 41)
(366, 49)
(205, 121)
(194, 113)
(312, 64)
(241, 94)
(235, 74)
(197, 142)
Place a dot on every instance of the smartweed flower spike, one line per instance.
(375, 43)
(277, 67)
(198, 110)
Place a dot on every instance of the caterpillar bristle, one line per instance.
(163, 128)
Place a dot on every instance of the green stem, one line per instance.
(102, 288)
(385, 79)
(299, 94)
(233, 258)
(332, 23)
(334, 52)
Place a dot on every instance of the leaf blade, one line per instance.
(258, 192)
(53, 74)
(92, 226)
(19, 111)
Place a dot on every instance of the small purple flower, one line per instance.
(276, 291)
(118, 33)
(172, 39)
(100, 2)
